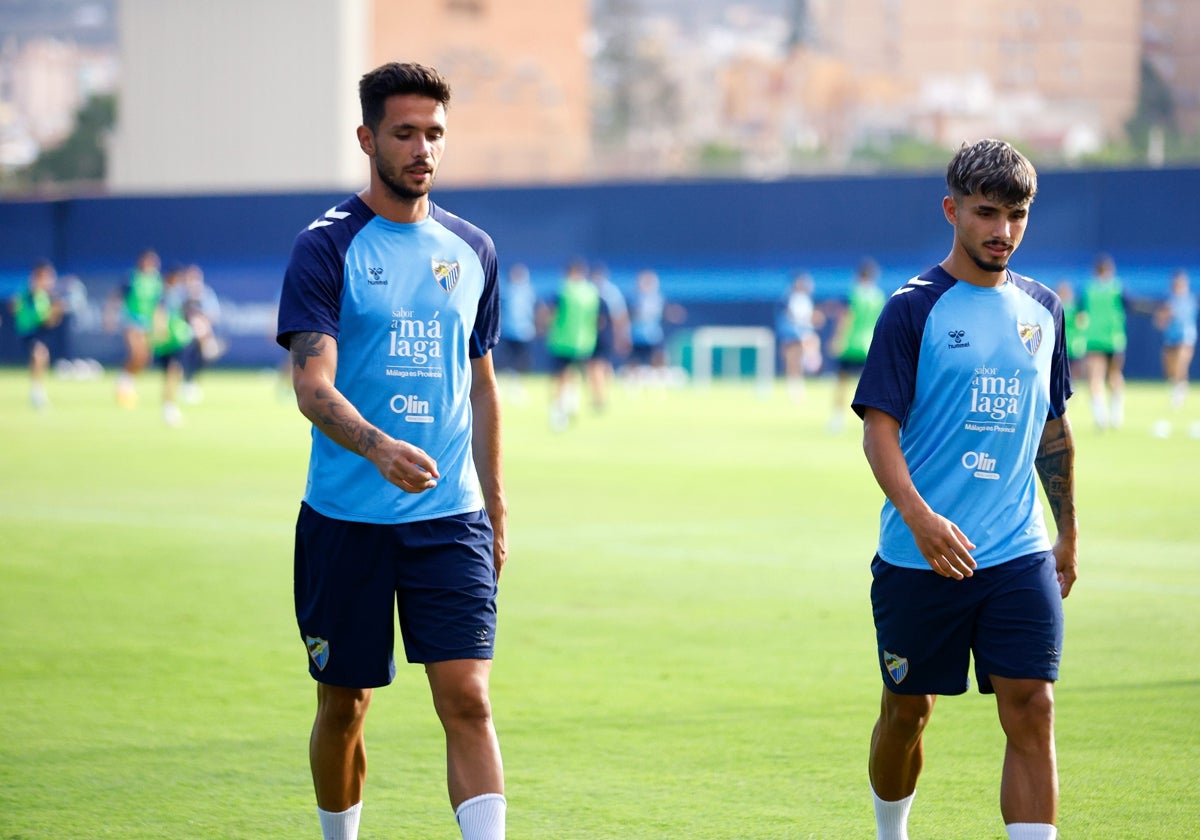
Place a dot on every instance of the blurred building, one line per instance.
(263, 94)
(251, 95)
(1061, 76)
(521, 81)
(1172, 47)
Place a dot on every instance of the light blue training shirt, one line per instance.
(972, 373)
(410, 305)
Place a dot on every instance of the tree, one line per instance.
(83, 156)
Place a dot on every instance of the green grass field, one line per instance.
(685, 651)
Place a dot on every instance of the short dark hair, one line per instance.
(395, 79)
(993, 169)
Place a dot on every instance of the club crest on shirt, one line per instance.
(446, 274)
(897, 666)
(318, 650)
(1031, 336)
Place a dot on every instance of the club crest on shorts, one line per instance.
(446, 274)
(897, 666)
(318, 651)
(1031, 336)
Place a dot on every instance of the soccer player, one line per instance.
(1176, 317)
(137, 301)
(612, 336)
(852, 335)
(390, 310)
(570, 341)
(37, 311)
(796, 328)
(171, 336)
(1105, 304)
(1075, 324)
(518, 329)
(963, 399)
(649, 312)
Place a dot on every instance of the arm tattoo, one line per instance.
(305, 346)
(1055, 463)
(337, 422)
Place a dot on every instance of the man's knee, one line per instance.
(905, 714)
(1026, 708)
(340, 707)
(460, 695)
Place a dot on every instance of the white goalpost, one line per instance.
(708, 342)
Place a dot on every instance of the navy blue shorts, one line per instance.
(560, 363)
(348, 575)
(1009, 617)
(41, 335)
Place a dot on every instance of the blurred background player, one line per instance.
(202, 310)
(796, 330)
(612, 337)
(518, 330)
(171, 337)
(1177, 320)
(37, 312)
(649, 312)
(1105, 304)
(1075, 324)
(570, 341)
(132, 308)
(852, 336)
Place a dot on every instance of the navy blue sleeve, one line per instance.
(310, 300)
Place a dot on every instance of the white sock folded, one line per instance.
(1031, 831)
(340, 825)
(482, 817)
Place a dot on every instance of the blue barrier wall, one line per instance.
(725, 249)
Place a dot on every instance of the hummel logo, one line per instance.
(331, 215)
(957, 336)
(376, 276)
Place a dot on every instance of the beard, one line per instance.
(394, 182)
(986, 264)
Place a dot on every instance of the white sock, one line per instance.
(1178, 394)
(482, 817)
(1117, 415)
(342, 825)
(1031, 831)
(891, 818)
(1098, 412)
